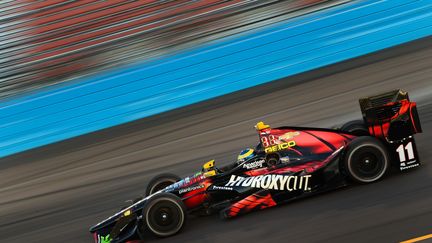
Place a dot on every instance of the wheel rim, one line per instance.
(164, 217)
(368, 163)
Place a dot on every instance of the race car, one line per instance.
(288, 163)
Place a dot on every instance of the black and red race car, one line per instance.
(288, 163)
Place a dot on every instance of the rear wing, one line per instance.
(391, 115)
(393, 118)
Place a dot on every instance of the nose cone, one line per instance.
(104, 225)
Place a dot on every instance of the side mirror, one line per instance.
(208, 166)
(208, 169)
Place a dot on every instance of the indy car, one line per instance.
(288, 163)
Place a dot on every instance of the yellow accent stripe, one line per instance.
(246, 154)
(424, 237)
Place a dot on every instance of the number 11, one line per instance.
(401, 151)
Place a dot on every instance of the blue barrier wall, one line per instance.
(233, 64)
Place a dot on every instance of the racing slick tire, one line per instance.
(159, 182)
(366, 160)
(164, 215)
(356, 127)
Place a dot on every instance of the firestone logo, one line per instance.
(222, 188)
(272, 182)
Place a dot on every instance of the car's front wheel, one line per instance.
(366, 160)
(164, 214)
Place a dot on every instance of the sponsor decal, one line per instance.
(127, 213)
(272, 182)
(289, 135)
(280, 146)
(222, 188)
(104, 239)
(254, 165)
(189, 189)
(409, 166)
(194, 179)
(285, 159)
(187, 181)
(407, 156)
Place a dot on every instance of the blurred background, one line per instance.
(49, 42)
(97, 97)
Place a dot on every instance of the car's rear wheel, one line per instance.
(356, 127)
(160, 182)
(366, 160)
(164, 214)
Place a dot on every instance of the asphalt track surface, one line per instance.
(54, 193)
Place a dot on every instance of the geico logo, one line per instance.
(280, 146)
(272, 182)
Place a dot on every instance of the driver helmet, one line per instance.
(245, 154)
